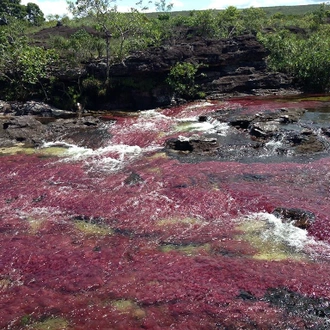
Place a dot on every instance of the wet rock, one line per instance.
(305, 142)
(300, 218)
(246, 295)
(255, 177)
(24, 129)
(203, 119)
(264, 129)
(34, 131)
(39, 109)
(133, 179)
(242, 122)
(89, 219)
(314, 311)
(85, 132)
(194, 144)
(5, 107)
(326, 131)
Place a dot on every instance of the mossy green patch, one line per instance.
(18, 149)
(50, 324)
(93, 229)
(35, 224)
(43, 152)
(52, 151)
(128, 307)
(187, 249)
(186, 126)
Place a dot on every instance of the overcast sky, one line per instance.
(60, 6)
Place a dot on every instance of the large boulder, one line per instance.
(300, 218)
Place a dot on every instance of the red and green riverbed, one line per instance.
(126, 237)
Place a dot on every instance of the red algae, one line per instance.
(83, 244)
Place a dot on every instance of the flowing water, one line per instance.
(127, 236)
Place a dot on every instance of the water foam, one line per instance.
(296, 238)
(109, 158)
(192, 124)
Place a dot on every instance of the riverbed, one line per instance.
(131, 235)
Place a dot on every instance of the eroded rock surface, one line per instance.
(254, 136)
(300, 218)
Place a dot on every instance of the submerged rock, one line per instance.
(314, 311)
(133, 179)
(300, 218)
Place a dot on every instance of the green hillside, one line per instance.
(286, 10)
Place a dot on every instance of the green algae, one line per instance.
(52, 151)
(93, 229)
(17, 149)
(57, 151)
(186, 127)
(186, 249)
(269, 247)
(35, 224)
(124, 306)
(56, 323)
(5, 284)
(322, 98)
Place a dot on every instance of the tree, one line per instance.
(34, 14)
(163, 7)
(12, 8)
(23, 66)
(100, 9)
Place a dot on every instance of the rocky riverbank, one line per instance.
(235, 66)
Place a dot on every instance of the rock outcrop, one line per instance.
(235, 65)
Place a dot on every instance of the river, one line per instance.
(131, 236)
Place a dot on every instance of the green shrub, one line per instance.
(306, 58)
(182, 79)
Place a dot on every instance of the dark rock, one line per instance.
(230, 65)
(133, 179)
(314, 311)
(326, 131)
(85, 132)
(255, 177)
(202, 119)
(305, 142)
(24, 129)
(242, 122)
(300, 218)
(39, 109)
(193, 144)
(264, 129)
(246, 295)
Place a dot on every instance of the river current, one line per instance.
(128, 236)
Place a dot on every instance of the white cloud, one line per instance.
(49, 7)
(177, 4)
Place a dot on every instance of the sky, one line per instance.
(52, 7)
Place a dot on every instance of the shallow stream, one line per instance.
(129, 236)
